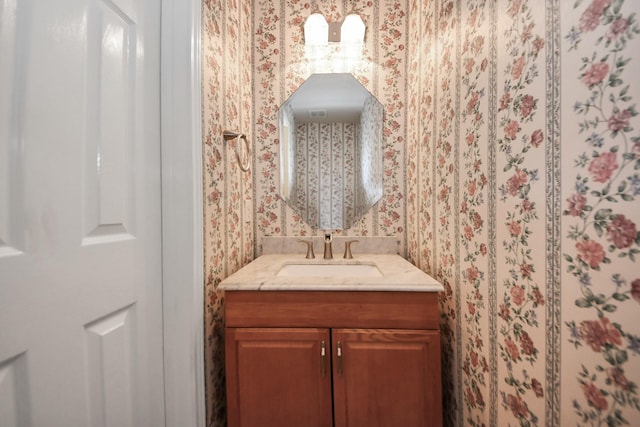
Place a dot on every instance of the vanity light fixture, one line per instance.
(316, 29)
(317, 32)
(352, 31)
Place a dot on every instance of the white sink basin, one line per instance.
(329, 270)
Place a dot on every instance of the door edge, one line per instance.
(182, 223)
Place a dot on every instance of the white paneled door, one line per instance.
(80, 214)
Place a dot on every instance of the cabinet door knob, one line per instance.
(339, 359)
(323, 355)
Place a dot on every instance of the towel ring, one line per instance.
(245, 164)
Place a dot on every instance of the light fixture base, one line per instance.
(334, 32)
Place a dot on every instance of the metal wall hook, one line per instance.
(245, 164)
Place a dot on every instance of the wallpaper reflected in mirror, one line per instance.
(331, 151)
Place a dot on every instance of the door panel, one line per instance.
(80, 236)
(110, 348)
(14, 399)
(387, 378)
(109, 188)
(12, 70)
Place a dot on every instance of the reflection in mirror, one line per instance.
(331, 151)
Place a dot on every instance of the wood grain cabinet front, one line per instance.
(314, 375)
(278, 377)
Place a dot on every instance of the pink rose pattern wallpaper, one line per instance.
(228, 233)
(324, 168)
(511, 159)
(521, 196)
(445, 198)
(600, 210)
(473, 187)
(281, 66)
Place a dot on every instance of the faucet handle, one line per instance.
(309, 244)
(347, 248)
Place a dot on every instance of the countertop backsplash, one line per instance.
(365, 245)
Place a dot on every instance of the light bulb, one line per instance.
(352, 29)
(316, 30)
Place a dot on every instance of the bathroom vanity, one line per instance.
(332, 343)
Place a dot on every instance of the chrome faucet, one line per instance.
(328, 254)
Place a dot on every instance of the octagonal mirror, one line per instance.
(331, 151)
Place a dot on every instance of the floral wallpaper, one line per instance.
(600, 213)
(521, 198)
(282, 63)
(369, 176)
(228, 198)
(510, 161)
(325, 172)
(336, 165)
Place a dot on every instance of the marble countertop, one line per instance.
(397, 274)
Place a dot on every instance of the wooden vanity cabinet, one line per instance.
(274, 377)
(389, 378)
(380, 365)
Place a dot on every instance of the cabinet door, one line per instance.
(385, 377)
(278, 377)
